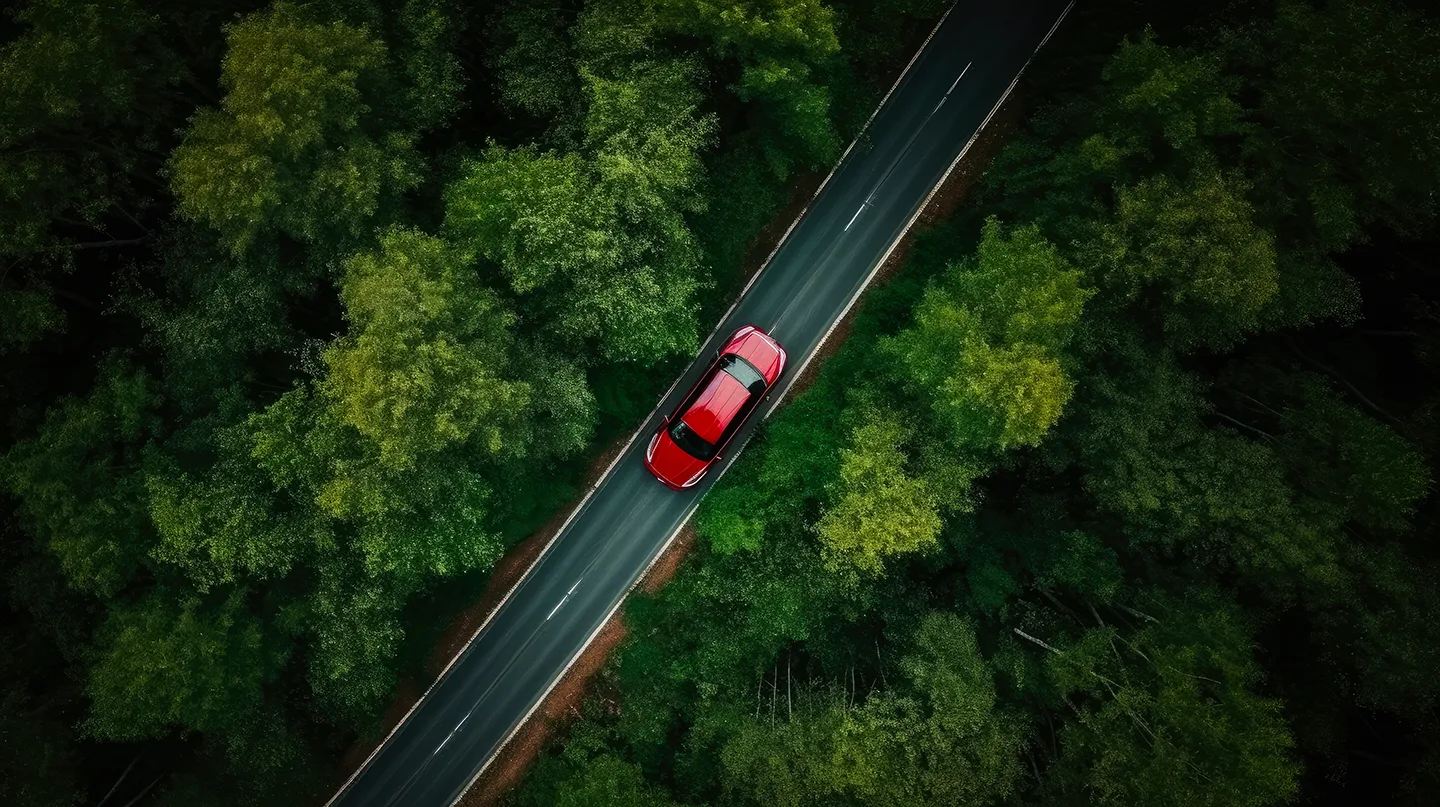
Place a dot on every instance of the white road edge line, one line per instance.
(913, 218)
(686, 518)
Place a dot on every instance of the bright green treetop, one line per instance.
(289, 149)
(876, 509)
(424, 362)
(984, 348)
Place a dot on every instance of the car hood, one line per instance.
(672, 463)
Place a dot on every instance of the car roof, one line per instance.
(716, 406)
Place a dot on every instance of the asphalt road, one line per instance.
(944, 99)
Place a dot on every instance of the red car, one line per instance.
(691, 439)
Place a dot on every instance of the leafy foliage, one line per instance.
(310, 310)
(1073, 517)
(194, 666)
(289, 150)
(1176, 722)
(878, 510)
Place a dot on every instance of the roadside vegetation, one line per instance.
(1122, 492)
(309, 310)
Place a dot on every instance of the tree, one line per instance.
(877, 509)
(601, 236)
(1155, 110)
(227, 523)
(76, 144)
(425, 360)
(1171, 715)
(939, 741)
(216, 314)
(1196, 244)
(352, 621)
(804, 28)
(1164, 103)
(291, 148)
(1380, 632)
(1357, 466)
(985, 346)
(427, 392)
(608, 782)
(416, 523)
(1347, 117)
(77, 481)
(189, 664)
(794, 115)
(430, 75)
(535, 61)
(782, 45)
(1220, 497)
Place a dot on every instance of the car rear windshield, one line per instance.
(744, 372)
(692, 443)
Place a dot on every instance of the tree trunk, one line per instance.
(789, 705)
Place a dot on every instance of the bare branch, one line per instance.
(1127, 609)
(1243, 425)
(121, 780)
(1022, 634)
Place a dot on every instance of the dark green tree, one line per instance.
(1171, 715)
(189, 664)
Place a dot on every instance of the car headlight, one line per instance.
(696, 478)
(650, 451)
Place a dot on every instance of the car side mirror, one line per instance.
(664, 420)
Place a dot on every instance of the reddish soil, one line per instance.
(405, 696)
(669, 561)
(559, 709)
(511, 568)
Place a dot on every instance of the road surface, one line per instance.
(949, 91)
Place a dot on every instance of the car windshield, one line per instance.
(692, 443)
(744, 372)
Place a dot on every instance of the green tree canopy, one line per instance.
(424, 362)
(877, 509)
(292, 148)
(76, 484)
(600, 238)
(1173, 717)
(1198, 245)
(189, 664)
(984, 348)
(1346, 112)
(940, 740)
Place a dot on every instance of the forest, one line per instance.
(1120, 491)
